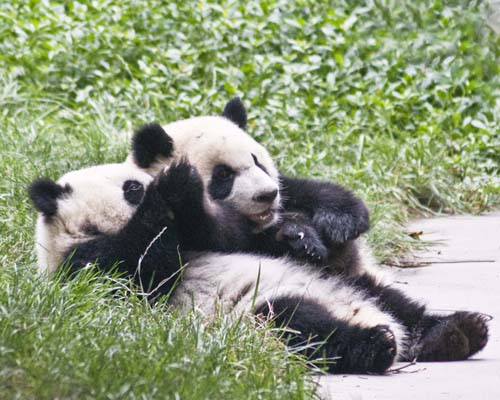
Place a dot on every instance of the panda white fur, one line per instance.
(80, 205)
(317, 219)
(365, 324)
(313, 215)
(145, 248)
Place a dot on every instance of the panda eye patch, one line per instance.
(223, 172)
(222, 182)
(133, 191)
(90, 229)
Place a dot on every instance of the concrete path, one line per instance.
(464, 275)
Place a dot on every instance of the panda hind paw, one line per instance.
(383, 348)
(455, 337)
(474, 326)
(374, 351)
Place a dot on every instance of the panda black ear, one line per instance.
(235, 112)
(150, 142)
(44, 193)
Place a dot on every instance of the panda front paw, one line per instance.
(180, 185)
(340, 227)
(303, 241)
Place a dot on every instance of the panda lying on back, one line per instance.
(313, 214)
(115, 215)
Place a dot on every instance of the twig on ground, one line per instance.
(402, 368)
(418, 264)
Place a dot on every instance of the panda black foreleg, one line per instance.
(134, 251)
(327, 341)
(337, 213)
(431, 337)
(222, 228)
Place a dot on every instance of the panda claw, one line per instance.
(485, 317)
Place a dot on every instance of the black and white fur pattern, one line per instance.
(248, 182)
(364, 325)
(302, 217)
(81, 205)
(146, 250)
(315, 214)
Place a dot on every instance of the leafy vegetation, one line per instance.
(395, 99)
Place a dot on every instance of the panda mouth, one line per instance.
(262, 218)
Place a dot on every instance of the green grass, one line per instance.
(81, 341)
(395, 99)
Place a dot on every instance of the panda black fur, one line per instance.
(366, 324)
(315, 216)
(105, 214)
(145, 248)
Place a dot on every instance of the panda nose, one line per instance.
(266, 197)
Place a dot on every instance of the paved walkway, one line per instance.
(464, 274)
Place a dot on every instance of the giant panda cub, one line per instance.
(107, 214)
(121, 219)
(237, 174)
(317, 221)
(117, 216)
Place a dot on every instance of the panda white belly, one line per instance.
(238, 282)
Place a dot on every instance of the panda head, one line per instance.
(81, 205)
(235, 169)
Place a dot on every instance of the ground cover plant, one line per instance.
(395, 99)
